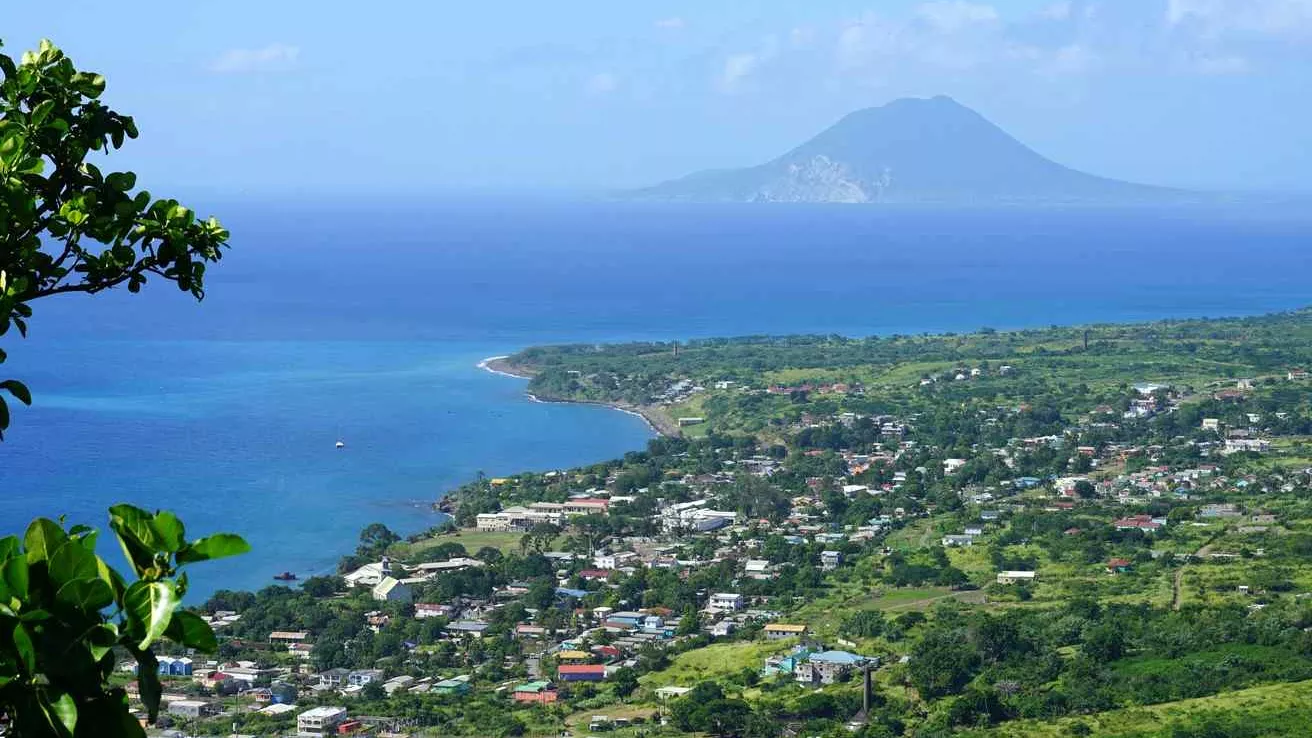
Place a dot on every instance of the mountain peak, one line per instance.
(908, 150)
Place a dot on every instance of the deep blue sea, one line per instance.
(364, 320)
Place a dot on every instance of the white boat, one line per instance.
(341, 444)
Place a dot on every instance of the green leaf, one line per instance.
(42, 111)
(43, 538)
(87, 595)
(217, 546)
(24, 647)
(9, 547)
(132, 526)
(188, 629)
(150, 607)
(63, 709)
(169, 530)
(73, 561)
(121, 181)
(13, 573)
(18, 390)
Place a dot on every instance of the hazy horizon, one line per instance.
(240, 97)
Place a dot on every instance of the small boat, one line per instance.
(285, 577)
(341, 444)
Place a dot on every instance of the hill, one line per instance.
(908, 151)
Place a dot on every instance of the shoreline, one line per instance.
(659, 425)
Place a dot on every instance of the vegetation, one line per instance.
(66, 226)
(66, 617)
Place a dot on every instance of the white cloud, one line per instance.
(736, 68)
(673, 24)
(952, 16)
(1216, 17)
(603, 83)
(275, 56)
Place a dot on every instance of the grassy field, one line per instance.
(1272, 711)
(713, 662)
(472, 540)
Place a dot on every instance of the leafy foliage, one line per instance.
(65, 613)
(65, 226)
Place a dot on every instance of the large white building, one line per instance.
(320, 721)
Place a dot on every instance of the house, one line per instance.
(430, 610)
(951, 466)
(396, 684)
(1249, 445)
(615, 560)
(1145, 523)
(974, 531)
(830, 560)
(192, 708)
(722, 629)
(827, 667)
(391, 589)
(573, 657)
(758, 569)
(320, 721)
(540, 691)
(725, 602)
(581, 672)
(369, 574)
(361, 677)
(780, 631)
(473, 628)
(1118, 566)
(1296, 375)
(332, 678)
(169, 666)
(1015, 577)
(1211, 424)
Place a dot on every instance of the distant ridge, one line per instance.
(909, 151)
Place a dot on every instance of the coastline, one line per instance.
(658, 423)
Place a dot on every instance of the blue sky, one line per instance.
(386, 95)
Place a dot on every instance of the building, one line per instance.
(1118, 566)
(573, 657)
(1249, 445)
(432, 610)
(725, 602)
(827, 667)
(369, 574)
(169, 666)
(581, 672)
(361, 677)
(391, 589)
(320, 721)
(1015, 577)
(830, 560)
(540, 691)
(455, 685)
(780, 631)
(1145, 523)
(191, 708)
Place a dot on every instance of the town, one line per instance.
(880, 548)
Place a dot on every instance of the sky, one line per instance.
(282, 96)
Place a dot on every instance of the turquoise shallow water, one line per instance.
(244, 433)
(365, 321)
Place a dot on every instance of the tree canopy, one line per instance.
(65, 225)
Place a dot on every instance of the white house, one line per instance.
(320, 721)
(392, 589)
(369, 574)
(725, 602)
(1015, 577)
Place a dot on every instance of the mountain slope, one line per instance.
(911, 150)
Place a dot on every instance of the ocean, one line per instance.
(364, 321)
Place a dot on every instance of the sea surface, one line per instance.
(364, 320)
